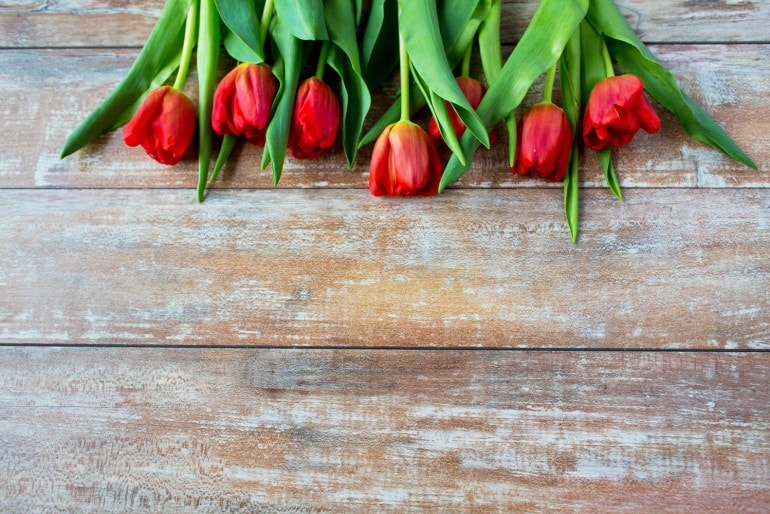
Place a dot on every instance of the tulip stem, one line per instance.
(189, 44)
(465, 71)
(404, 56)
(609, 70)
(322, 57)
(267, 15)
(550, 77)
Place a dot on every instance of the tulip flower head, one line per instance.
(315, 120)
(242, 102)
(404, 162)
(616, 109)
(474, 92)
(544, 142)
(164, 125)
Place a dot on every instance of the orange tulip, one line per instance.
(404, 162)
(242, 102)
(544, 142)
(164, 125)
(315, 120)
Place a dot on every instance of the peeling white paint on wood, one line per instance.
(115, 23)
(664, 269)
(168, 429)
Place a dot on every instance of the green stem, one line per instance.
(466, 67)
(319, 71)
(189, 44)
(267, 15)
(549, 79)
(609, 70)
(404, 79)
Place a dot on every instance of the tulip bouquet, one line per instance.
(275, 94)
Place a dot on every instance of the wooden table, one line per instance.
(311, 348)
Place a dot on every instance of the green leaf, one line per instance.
(208, 56)
(163, 43)
(539, 48)
(453, 16)
(345, 60)
(609, 172)
(459, 21)
(304, 19)
(341, 27)
(355, 102)
(489, 42)
(240, 17)
(510, 124)
(279, 70)
(239, 50)
(379, 46)
(359, 5)
(491, 62)
(572, 194)
(418, 25)
(634, 57)
(228, 143)
(277, 135)
(570, 75)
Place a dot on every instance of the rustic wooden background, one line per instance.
(311, 348)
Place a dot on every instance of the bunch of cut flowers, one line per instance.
(276, 93)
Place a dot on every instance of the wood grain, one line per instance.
(126, 430)
(114, 23)
(107, 250)
(664, 269)
(48, 92)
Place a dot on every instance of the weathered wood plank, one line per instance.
(27, 23)
(48, 92)
(95, 430)
(664, 269)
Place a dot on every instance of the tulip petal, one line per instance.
(544, 142)
(134, 133)
(379, 176)
(648, 118)
(409, 163)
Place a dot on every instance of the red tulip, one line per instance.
(404, 162)
(474, 92)
(544, 142)
(616, 109)
(315, 120)
(164, 125)
(242, 102)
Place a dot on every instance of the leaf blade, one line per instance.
(305, 20)
(277, 135)
(240, 17)
(356, 101)
(208, 57)
(571, 86)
